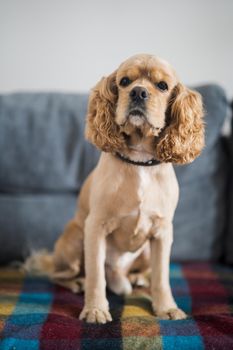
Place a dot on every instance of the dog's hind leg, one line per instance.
(140, 270)
(68, 251)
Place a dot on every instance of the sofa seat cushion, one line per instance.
(30, 222)
(35, 314)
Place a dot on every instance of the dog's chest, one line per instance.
(150, 198)
(135, 226)
(145, 183)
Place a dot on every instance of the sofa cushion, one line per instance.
(32, 221)
(200, 217)
(42, 144)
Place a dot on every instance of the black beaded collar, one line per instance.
(150, 162)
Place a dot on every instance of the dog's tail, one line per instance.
(44, 263)
(40, 263)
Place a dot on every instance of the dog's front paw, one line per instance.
(95, 315)
(171, 314)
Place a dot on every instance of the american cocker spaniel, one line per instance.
(143, 119)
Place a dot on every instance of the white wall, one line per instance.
(68, 45)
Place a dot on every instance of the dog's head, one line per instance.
(144, 95)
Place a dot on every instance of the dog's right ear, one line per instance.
(101, 129)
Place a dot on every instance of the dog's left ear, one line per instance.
(101, 129)
(183, 138)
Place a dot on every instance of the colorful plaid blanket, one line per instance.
(35, 314)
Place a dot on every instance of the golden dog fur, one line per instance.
(125, 214)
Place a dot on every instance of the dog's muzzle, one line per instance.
(137, 107)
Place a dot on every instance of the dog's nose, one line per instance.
(139, 93)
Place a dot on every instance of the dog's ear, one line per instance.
(101, 129)
(183, 138)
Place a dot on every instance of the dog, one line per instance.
(144, 120)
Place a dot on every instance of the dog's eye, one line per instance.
(162, 85)
(125, 81)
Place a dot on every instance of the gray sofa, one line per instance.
(45, 159)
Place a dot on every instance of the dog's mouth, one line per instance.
(136, 116)
(137, 112)
(137, 123)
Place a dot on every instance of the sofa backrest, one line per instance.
(42, 143)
